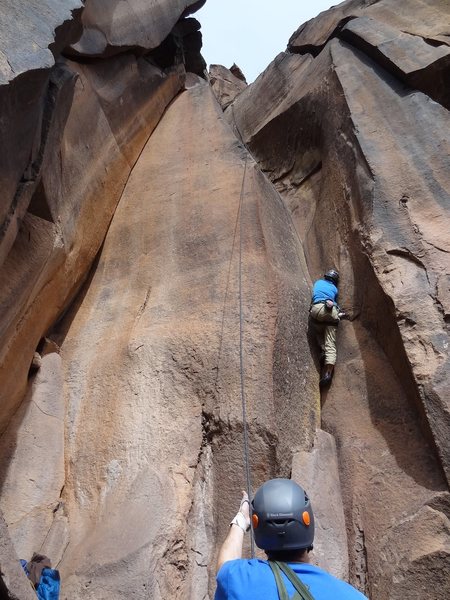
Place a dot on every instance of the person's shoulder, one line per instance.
(242, 565)
(236, 577)
(318, 283)
(339, 588)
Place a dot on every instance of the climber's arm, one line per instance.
(231, 548)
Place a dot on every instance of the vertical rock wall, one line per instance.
(87, 123)
(71, 131)
(359, 156)
(153, 353)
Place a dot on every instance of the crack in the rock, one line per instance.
(37, 510)
(409, 256)
(361, 572)
(43, 411)
(143, 305)
(9, 64)
(436, 247)
(312, 171)
(236, 126)
(430, 41)
(440, 307)
(211, 427)
(199, 564)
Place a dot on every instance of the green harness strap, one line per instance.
(302, 592)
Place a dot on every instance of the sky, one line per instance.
(252, 32)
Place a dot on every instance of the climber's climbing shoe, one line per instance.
(325, 380)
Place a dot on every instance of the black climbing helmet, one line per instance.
(282, 517)
(332, 275)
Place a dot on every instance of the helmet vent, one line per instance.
(278, 522)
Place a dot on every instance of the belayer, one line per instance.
(325, 315)
(283, 526)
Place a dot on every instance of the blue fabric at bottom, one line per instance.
(253, 580)
(49, 585)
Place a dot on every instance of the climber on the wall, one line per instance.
(283, 526)
(325, 314)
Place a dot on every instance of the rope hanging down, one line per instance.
(241, 357)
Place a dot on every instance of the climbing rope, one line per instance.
(241, 357)
(241, 340)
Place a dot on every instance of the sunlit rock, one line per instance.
(225, 85)
(109, 26)
(153, 352)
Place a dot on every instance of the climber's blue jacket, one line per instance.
(324, 290)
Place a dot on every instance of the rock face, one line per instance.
(36, 435)
(13, 583)
(225, 85)
(410, 58)
(111, 25)
(318, 471)
(165, 374)
(361, 161)
(427, 19)
(28, 49)
(157, 252)
(118, 103)
(388, 207)
(70, 134)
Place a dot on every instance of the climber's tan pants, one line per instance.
(326, 334)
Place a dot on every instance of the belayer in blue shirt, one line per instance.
(283, 526)
(325, 315)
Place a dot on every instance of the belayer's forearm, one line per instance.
(232, 547)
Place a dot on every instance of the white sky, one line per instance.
(252, 32)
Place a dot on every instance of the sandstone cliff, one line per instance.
(145, 225)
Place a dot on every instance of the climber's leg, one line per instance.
(330, 354)
(330, 344)
(319, 335)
